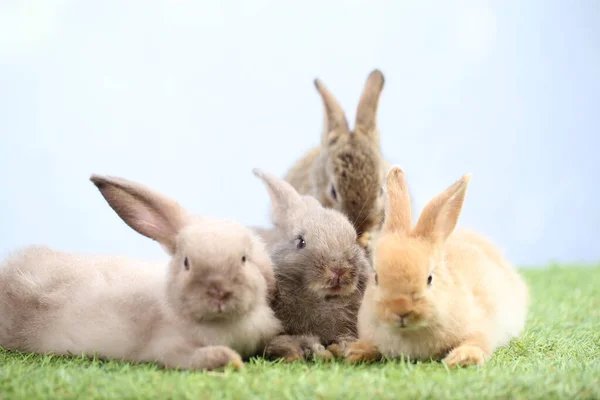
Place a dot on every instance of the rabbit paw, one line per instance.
(338, 348)
(294, 348)
(465, 355)
(361, 351)
(205, 358)
(224, 356)
(319, 352)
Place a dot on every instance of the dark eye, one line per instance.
(381, 191)
(301, 243)
(333, 193)
(376, 279)
(186, 264)
(429, 279)
(243, 259)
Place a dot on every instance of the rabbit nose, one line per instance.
(337, 274)
(405, 315)
(219, 294)
(223, 295)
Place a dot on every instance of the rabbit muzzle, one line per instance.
(400, 313)
(220, 298)
(339, 281)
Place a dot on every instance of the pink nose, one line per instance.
(337, 272)
(337, 275)
(405, 315)
(220, 295)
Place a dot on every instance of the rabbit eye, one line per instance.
(381, 191)
(429, 280)
(243, 259)
(333, 193)
(376, 279)
(301, 243)
(186, 264)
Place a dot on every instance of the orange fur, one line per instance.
(475, 303)
(362, 351)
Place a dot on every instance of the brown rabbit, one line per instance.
(347, 170)
(436, 294)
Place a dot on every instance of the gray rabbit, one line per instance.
(320, 270)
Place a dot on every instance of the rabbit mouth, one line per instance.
(408, 326)
(339, 289)
(217, 314)
(220, 310)
(329, 289)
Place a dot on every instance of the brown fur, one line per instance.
(475, 303)
(348, 161)
(362, 351)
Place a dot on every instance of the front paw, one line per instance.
(465, 355)
(319, 352)
(221, 357)
(361, 351)
(338, 348)
(292, 348)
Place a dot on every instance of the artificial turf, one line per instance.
(557, 356)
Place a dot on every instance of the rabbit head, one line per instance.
(407, 259)
(218, 270)
(315, 246)
(351, 171)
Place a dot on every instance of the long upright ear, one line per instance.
(144, 210)
(397, 209)
(335, 122)
(440, 215)
(286, 203)
(366, 113)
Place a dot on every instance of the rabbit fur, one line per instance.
(436, 293)
(347, 170)
(320, 272)
(206, 309)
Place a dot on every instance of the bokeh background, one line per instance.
(188, 96)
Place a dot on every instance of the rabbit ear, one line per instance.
(440, 215)
(144, 210)
(366, 113)
(397, 213)
(285, 200)
(335, 122)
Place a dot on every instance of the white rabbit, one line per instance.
(207, 309)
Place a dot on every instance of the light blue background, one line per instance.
(188, 96)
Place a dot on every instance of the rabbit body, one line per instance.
(477, 293)
(305, 311)
(320, 270)
(112, 306)
(437, 293)
(206, 308)
(347, 170)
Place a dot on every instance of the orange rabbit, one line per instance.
(436, 293)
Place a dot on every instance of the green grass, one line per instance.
(558, 356)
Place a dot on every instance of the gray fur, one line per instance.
(304, 302)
